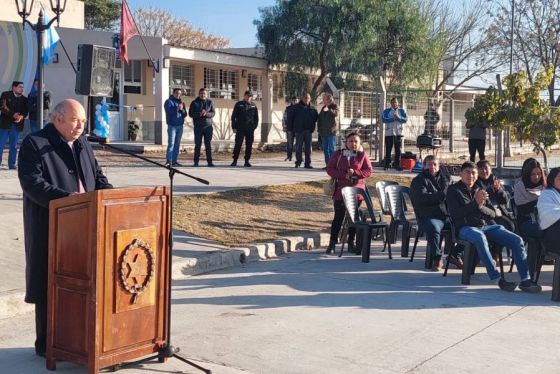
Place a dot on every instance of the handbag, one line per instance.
(329, 187)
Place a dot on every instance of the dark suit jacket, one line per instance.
(10, 104)
(47, 170)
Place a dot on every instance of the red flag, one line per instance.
(128, 30)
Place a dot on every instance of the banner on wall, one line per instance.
(18, 60)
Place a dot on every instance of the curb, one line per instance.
(12, 302)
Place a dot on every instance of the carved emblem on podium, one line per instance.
(137, 267)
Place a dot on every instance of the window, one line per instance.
(278, 88)
(354, 101)
(221, 84)
(182, 76)
(133, 77)
(254, 83)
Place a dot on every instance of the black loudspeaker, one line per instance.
(96, 70)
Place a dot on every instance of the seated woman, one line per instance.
(350, 167)
(548, 206)
(526, 192)
(498, 197)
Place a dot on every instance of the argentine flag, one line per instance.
(50, 40)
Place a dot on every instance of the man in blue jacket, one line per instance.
(393, 118)
(201, 111)
(175, 114)
(302, 120)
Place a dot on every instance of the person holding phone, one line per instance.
(202, 111)
(394, 118)
(175, 114)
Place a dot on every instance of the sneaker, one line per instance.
(297, 166)
(529, 286)
(234, 163)
(506, 285)
(330, 248)
(457, 262)
(167, 163)
(247, 164)
(177, 164)
(14, 167)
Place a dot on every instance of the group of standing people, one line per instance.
(14, 108)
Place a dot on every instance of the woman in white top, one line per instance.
(549, 212)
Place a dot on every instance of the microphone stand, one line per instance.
(168, 350)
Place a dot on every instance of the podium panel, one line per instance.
(108, 276)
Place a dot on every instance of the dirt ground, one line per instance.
(253, 215)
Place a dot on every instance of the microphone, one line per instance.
(97, 139)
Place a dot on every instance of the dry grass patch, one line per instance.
(252, 215)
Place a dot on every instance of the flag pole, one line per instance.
(156, 68)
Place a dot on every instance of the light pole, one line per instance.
(507, 147)
(40, 27)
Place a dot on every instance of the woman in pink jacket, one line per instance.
(350, 167)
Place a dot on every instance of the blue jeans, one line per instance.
(13, 136)
(432, 229)
(329, 146)
(33, 126)
(206, 133)
(479, 237)
(174, 134)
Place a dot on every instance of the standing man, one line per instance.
(431, 119)
(32, 106)
(244, 121)
(393, 118)
(473, 217)
(201, 111)
(175, 113)
(289, 134)
(477, 139)
(54, 162)
(327, 125)
(302, 122)
(13, 108)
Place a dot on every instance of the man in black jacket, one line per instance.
(202, 111)
(13, 108)
(302, 120)
(32, 107)
(54, 162)
(473, 216)
(244, 121)
(427, 192)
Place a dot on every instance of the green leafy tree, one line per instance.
(101, 14)
(345, 36)
(522, 107)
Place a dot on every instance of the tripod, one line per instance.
(168, 350)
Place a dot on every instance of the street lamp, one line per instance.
(40, 27)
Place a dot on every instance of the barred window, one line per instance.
(254, 83)
(182, 76)
(278, 88)
(358, 101)
(221, 84)
(133, 77)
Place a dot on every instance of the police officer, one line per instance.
(244, 121)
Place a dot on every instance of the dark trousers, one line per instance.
(41, 327)
(336, 225)
(249, 137)
(303, 143)
(206, 133)
(289, 144)
(477, 145)
(391, 141)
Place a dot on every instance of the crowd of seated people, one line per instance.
(477, 205)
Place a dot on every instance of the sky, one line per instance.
(231, 19)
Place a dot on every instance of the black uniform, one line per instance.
(244, 121)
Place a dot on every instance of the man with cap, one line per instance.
(244, 121)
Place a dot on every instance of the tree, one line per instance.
(536, 37)
(101, 14)
(345, 36)
(179, 32)
(521, 107)
(460, 41)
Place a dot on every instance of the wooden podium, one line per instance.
(108, 276)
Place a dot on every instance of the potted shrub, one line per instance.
(133, 129)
